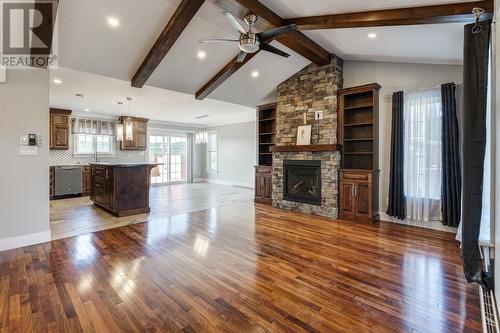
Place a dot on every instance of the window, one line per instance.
(212, 152)
(91, 143)
(422, 150)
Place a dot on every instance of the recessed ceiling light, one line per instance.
(202, 55)
(87, 110)
(57, 81)
(255, 74)
(79, 95)
(372, 35)
(113, 22)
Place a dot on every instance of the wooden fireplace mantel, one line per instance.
(305, 148)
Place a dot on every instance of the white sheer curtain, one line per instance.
(422, 151)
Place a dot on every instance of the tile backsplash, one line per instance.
(66, 157)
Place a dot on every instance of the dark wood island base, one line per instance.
(121, 189)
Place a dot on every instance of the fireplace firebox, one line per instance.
(302, 181)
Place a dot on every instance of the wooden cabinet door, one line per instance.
(347, 202)
(60, 136)
(258, 187)
(86, 181)
(267, 187)
(141, 135)
(59, 130)
(363, 200)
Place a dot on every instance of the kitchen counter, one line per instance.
(124, 165)
(121, 188)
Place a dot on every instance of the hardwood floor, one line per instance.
(78, 216)
(240, 268)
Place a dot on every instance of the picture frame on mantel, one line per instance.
(304, 135)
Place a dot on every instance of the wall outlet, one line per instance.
(318, 115)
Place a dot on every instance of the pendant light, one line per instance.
(201, 137)
(129, 126)
(119, 128)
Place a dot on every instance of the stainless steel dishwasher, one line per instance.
(69, 180)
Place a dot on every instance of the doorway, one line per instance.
(171, 152)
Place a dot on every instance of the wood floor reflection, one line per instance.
(240, 268)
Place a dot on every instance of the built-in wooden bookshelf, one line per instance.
(266, 130)
(358, 127)
(357, 133)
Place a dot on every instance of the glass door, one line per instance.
(171, 152)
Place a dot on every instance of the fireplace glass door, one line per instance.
(302, 181)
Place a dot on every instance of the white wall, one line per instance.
(236, 146)
(393, 77)
(24, 180)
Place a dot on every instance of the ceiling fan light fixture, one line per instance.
(249, 43)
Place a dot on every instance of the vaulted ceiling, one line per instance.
(87, 43)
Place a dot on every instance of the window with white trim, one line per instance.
(92, 143)
(212, 152)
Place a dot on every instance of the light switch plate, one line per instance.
(23, 140)
(318, 115)
(39, 140)
(28, 150)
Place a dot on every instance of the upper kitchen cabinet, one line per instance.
(139, 128)
(59, 129)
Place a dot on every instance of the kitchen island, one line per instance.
(121, 189)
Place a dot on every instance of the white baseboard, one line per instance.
(24, 240)
(224, 182)
(435, 225)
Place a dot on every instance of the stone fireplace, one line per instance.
(306, 179)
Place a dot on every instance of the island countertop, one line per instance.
(124, 165)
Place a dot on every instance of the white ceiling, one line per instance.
(87, 43)
(102, 93)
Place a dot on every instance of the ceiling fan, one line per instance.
(251, 42)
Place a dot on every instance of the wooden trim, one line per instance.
(60, 111)
(448, 13)
(357, 89)
(129, 118)
(306, 148)
(175, 26)
(267, 106)
(222, 76)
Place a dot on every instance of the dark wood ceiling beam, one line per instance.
(222, 76)
(448, 13)
(176, 25)
(296, 41)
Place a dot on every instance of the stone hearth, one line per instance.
(312, 89)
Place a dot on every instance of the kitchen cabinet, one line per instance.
(263, 184)
(121, 189)
(59, 129)
(358, 195)
(139, 131)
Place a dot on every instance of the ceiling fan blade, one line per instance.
(218, 40)
(272, 49)
(234, 22)
(241, 56)
(276, 32)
